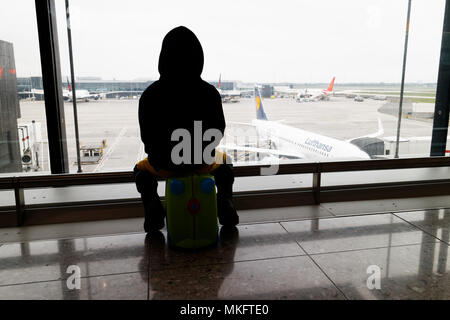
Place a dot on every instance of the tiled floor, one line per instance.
(397, 255)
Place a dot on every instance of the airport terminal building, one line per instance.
(9, 111)
(97, 85)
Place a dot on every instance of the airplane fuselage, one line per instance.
(307, 144)
(313, 95)
(81, 94)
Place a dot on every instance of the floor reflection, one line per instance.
(324, 258)
(414, 268)
(159, 255)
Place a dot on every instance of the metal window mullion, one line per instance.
(51, 78)
(441, 109)
(19, 196)
(317, 176)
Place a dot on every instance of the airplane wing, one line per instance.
(262, 150)
(372, 135)
(240, 123)
(94, 96)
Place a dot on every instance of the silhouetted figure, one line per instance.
(175, 101)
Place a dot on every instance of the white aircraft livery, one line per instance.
(308, 94)
(316, 94)
(290, 142)
(82, 95)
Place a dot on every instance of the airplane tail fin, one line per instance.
(330, 87)
(260, 114)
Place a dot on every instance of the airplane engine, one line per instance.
(372, 146)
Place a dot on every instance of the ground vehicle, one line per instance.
(30, 142)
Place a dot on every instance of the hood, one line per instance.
(181, 54)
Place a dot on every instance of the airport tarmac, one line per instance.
(117, 122)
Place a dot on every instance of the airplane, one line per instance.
(316, 94)
(81, 94)
(293, 143)
(305, 94)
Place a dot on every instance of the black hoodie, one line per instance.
(177, 99)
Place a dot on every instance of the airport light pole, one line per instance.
(400, 107)
(74, 97)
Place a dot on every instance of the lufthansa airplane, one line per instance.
(289, 142)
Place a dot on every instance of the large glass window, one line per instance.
(300, 81)
(328, 75)
(23, 134)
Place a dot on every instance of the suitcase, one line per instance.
(191, 207)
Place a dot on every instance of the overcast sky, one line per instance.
(248, 40)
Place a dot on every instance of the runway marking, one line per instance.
(111, 149)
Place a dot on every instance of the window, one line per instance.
(329, 72)
(23, 137)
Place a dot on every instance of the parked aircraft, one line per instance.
(289, 142)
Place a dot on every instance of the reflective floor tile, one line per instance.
(435, 222)
(72, 230)
(353, 233)
(246, 242)
(386, 205)
(280, 278)
(423, 203)
(129, 286)
(360, 207)
(49, 260)
(405, 272)
(283, 214)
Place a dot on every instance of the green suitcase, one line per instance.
(191, 206)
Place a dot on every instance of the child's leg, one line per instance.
(224, 181)
(146, 184)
